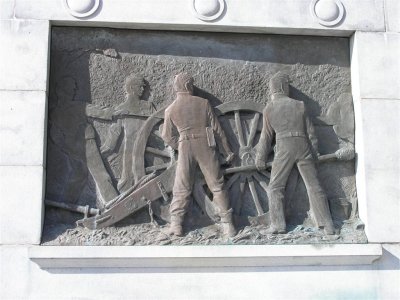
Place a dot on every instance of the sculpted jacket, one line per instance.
(283, 118)
(189, 117)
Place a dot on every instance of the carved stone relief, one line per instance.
(208, 10)
(327, 12)
(81, 8)
(191, 138)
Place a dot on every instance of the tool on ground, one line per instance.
(86, 210)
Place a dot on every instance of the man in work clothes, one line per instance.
(296, 143)
(191, 127)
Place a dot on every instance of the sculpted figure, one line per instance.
(71, 132)
(296, 143)
(128, 123)
(133, 105)
(191, 127)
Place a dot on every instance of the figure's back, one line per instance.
(189, 113)
(286, 115)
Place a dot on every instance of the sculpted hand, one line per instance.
(229, 158)
(346, 153)
(171, 152)
(108, 113)
(120, 112)
(260, 164)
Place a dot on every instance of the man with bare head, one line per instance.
(296, 144)
(127, 125)
(133, 105)
(191, 127)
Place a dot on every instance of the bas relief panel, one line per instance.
(158, 138)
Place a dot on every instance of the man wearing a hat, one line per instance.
(191, 127)
(296, 144)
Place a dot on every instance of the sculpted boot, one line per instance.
(175, 227)
(275, 230)
(228, 229)
(222, 202)
(329, 229)
(277, 215)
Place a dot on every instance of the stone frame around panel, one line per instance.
(332, 57)
(50, 29)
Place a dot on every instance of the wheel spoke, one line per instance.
(253, 192)
(158, 152)
(261, 181)
(266, 174)
(238, 206)
(232, 180)
(253, 129)
(157, 167)
(239, 128)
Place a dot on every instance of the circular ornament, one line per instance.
(81, 8)
(327, 12)
(208, 10)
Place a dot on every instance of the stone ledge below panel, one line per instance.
(51, 257)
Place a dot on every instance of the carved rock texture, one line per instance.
(90, 66)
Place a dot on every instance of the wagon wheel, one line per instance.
(247, 187)
(152, 155)
(149, 150)
(242, 123)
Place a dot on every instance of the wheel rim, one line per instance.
(162, 157)
(242, 121)
(247, 187)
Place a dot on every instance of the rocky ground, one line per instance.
(153, 234)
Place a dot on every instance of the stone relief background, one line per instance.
(88, 72)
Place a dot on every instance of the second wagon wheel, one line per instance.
(149, 150)
(247, 187)
(152, 157)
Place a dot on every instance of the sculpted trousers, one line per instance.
(195, 152)
(291, 151)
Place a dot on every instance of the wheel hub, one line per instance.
(247, 156)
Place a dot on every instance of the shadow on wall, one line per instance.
(232, 46)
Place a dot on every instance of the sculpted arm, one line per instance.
(311, 134)
(95, 111)
(220, 134)
(169, 132)
(112, 137)
(264, 145)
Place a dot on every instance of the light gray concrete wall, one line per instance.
(376, 94)
(24, 36)
(23, 126)
(23, 279)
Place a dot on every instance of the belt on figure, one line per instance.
(282, 135)
(191, 136)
